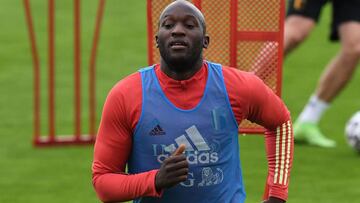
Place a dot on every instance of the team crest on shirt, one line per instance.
(210, 176)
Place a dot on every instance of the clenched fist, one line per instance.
(173, 170)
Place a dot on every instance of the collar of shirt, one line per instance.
(167, 82)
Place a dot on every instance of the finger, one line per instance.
(182, 178)
(179, 172)
(176, 180)
(176, 166)
(179, 150)
(175, 159)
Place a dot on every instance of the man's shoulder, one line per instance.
(232, 74)
(130, 82)
(242, 82)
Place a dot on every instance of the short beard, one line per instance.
(182, 64)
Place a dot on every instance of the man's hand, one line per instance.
(173, 170)
(274, 200)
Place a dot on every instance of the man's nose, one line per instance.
(178, 30)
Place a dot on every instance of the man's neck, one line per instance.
(194, 68)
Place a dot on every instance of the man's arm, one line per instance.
(111, 152)
(113, 145)
(251, 99)
(268, 110)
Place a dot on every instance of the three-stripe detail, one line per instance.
(282, 153)
(195, 138)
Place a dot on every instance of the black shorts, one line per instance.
(342, 11)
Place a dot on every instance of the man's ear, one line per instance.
(206, 41)
(157, 40)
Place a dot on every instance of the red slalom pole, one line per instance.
(233, 31)
(197, 3)
(149, 32)
(92, 90)
(281, 45)
(51, 67)
(36, 68)
(77, 69)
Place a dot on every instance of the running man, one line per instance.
(175, 125)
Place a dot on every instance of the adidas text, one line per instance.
(195, 157)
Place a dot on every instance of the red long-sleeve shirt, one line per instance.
(249, 97)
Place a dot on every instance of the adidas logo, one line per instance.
(195, 138)
(196, 149)
(157, 130)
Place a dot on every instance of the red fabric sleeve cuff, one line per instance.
(154, 193)
(278, 193)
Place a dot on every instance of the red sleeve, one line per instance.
(113, 146)
(251, 99)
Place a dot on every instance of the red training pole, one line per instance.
(233, 32)
(92, 78)
(197, 3)
(51, 67)
(36, 68)
(77, 69)
(281, 45)
(150, 39)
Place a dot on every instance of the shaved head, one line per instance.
(181, 38)
(192, 8)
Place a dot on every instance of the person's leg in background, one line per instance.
(296, 29)
(301, 18)
(346, 26)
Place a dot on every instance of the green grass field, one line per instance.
(63, 174)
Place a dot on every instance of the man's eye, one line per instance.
(168, 25)
(190, 26)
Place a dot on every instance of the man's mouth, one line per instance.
(178, 45)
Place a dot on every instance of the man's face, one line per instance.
(181, 36)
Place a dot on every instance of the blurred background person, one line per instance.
(345, 27)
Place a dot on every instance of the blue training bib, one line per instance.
(209, 132)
